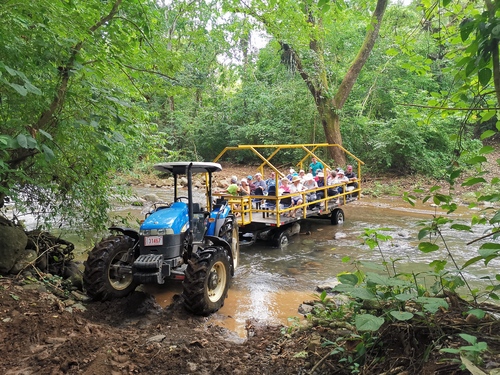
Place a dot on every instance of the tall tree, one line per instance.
(300, 29)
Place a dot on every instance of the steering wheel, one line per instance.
(179, 199)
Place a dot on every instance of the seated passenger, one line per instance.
(352, 177)
(244, 189)
(310, 184)
(284, 186)
(295, 188)
(260, 187)
(271, 181)
(339, 179)
(250, 183)
(291, 174)
(233, 189)
(302, 176)
(320, 181)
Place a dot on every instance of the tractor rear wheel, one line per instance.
(206, 281)
(102, 278)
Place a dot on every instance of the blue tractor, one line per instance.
(180, 240)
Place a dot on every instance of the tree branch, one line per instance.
(363, 54)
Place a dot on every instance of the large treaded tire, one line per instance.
(206, 281)
(100, 280)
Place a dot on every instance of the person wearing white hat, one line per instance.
(310, 184)
(295, 188)
(339, 179)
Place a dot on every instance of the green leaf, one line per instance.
(348, 278)
(392, 52)
(472, 261)
(20, 89)
(427, 247)
(473, 180)
(405, 296)
(478, 313)
(486, 150)
(45, 134)
(49, 154)
(495, 219)
(368, 322)
(402, 315)
(423, 233)
(487, 134)
(484, 76)
(486, 116)
(477, 160)
(466, 27)
(432, 304)
(22, 140)
(461, 227)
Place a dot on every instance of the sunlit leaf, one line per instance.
(487, 134)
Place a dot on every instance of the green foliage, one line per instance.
(472, 352)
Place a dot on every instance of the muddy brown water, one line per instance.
(270, 283)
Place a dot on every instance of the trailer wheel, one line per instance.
(337, 216)
(102, 279)
(207, 281)
(281, 239)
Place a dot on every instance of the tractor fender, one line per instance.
(132, 233)
(217, 241)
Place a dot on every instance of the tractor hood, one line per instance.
(174, 218)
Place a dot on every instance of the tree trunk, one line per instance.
(331, 126)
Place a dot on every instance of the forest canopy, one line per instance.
(89, 88)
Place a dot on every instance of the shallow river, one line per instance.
(270, 284)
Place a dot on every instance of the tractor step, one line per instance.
(149, 268)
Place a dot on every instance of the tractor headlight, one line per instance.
(146, 232)
(162, 232)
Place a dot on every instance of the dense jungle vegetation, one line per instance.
(89, 88)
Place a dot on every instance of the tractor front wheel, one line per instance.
(207, 281)
(108, 269)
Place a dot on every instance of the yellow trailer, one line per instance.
(268, 217)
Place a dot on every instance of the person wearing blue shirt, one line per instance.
(315, 165)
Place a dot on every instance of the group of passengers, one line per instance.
(247, 186)
(295, 182)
